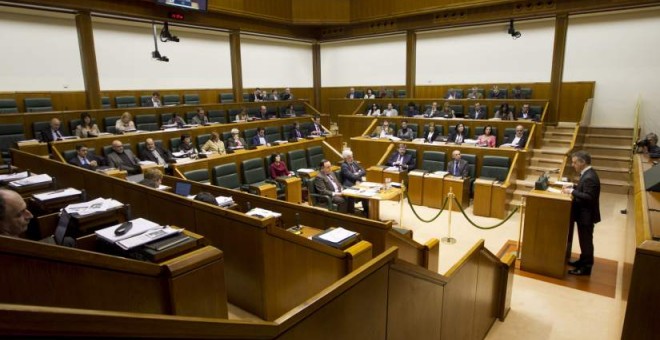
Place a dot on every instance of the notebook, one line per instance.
(182, 189)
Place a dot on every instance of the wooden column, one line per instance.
(88, 60)
(236, 65)
(411, 63)
(556, 75)
(316, 70)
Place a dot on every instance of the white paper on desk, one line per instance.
(224, 201)
(147, 163)
(150, 235)
(257, 212)
(337, 235)
(43, 178)
(418, 140)
(93, 206)
(439, 174)
(306, 171)
(370, 185)
(57, 193)
(140, 225)
(163, 187)
(69, 137)
(394, 138)
(281, 141)
(392, 168)
(562, 183)
(13, 177)
(351, 191)
(555, 190)
(183, 160)
(178, 154)
(170, 129)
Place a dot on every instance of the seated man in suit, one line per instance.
(83, 160)
(326, 183)
(405, 132)
(52, 132)
(519, 139)
(383, 131)
(351, 94)
(295, 131)
(14, 215)
(155, 153)
(200, 118)
(401, 159)
(317, 128)
(263, 113)
(260, 137)
(235, 142)
(432, 111)
(411, 110)
(352, 173)
(526, 114)
(123, 159)
(496, 93)
(287, 95)
(155, 100)
(474, 93)
(478, 112)
(457, 166)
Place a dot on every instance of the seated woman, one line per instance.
(447, 112)
(187, 146)
(176, 119)
(487, 139)
(374, 110)
(235, 142)
(504, 112)
(214, 144)
(458, 136)
(370, 94)
(125, 123)
(277, 167)
(290, 111)
(86, 127)
(243, 115)
(432, 134)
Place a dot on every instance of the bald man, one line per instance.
(14, 215)
(52, 132)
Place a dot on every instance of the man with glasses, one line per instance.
(457, 166)
(519, 139)
(123, 159)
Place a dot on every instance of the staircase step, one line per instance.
(551, 151)
(554, 142)
(608, 150)
(609, 161)
(613, 173)
(547, 162)
(567, 135)
(605, 139)
(566, 125)
(612, 131)
(614, 186)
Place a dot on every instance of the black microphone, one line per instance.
(249, 206)
(298, 221)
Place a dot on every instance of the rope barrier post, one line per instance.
(403, 190)
(518, 253)
(449, 239)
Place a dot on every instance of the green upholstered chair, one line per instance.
(226, 176)
(191, 98)
(226, 98)
(109, 124)
(401, 94)
(217, 116)
(201, 139)
(105, 102)
(199, 175)
(38, 104)
(317, 199)
(315, 155)
(526, 93)
(8, 105)
(9, 134)
(496, 167)
(125, 101)
(171, 99)
(147, 122)
(433, 161)
(248, 134)
(254, 174)
(273, 133)
(145, 101)
(298, 160)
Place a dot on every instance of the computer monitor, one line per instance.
(182, 188)
(62, 227)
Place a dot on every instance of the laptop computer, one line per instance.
(182, 189)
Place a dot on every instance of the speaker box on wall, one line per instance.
(652, 179)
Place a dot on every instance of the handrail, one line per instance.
(371, 126)
(359, 107)
(507, 181)
(545, 111)
(386, 154)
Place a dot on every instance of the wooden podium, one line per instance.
(547, 219)
(293, 187)
(483, 196)
(434, 193)
(415, 187)
(460, 187)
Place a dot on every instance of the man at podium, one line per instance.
(457, 166)
(585, 210)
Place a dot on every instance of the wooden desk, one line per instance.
(375, 174)
(415, 187)
(374, 201)
(122, 174)
(460, 187)
(547, 219)
(395, 175)
(434, 190)
(483, 195)
(292, 187)
(265, 190)
(33, 147)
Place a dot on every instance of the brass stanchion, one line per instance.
(449, 239)
(403, 190)
(518, 253)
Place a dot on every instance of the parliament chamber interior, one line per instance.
(286, 169)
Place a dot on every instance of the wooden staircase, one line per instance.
(610, 150)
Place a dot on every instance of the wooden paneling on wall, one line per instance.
(272, 10)
(320, 11)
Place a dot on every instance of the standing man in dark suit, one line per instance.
(52, 132)
(401, 159)
(351, 174)
(83, 160)
(326, 183)
(155, 153)
(585, 210)
(457, 166)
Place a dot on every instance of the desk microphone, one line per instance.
(249, 206)
(298, 227)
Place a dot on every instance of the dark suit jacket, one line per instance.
(434, 136)
(463, 168)
(350, 173)
(312, 131)
(47, 135)
(294, 133)
(407, 162)
(255, 140)
(147, 155)
(452, 137)
(585, 208)
(231, 144)
(482, 115)
(116, 162)
(323, 186)
(76, 161)
(521, 143)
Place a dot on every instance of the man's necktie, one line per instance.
(455, 168)
(85, 161)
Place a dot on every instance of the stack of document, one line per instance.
(306, 171)
(12, 177)
(147, 163)
(224, 201)
(337, 237)
(46, 196)
(142, 232)
(38, 179)
(93, 206)
(262, 213)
